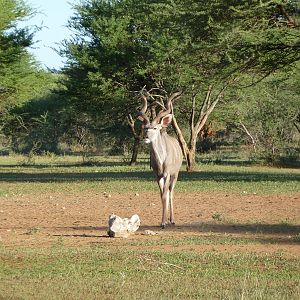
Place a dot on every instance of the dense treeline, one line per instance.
(236, 63)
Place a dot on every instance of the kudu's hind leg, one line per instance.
(173, 181)
(164, 184)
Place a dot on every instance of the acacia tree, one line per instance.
(21, 78)
(266, 116)
(104, 67)
(222, 44)
(199, 47)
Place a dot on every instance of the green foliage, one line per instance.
(36, 126)
(20, 78)
(122, 46)
(267, 116)
(26, 126)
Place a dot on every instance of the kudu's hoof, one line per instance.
(163, 226)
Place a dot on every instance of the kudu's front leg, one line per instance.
(164, 184)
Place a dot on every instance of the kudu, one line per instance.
(165, 154)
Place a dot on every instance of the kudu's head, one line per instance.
(152, 129)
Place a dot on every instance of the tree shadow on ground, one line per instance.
(145, 176)
(59, 164)
(69, 165)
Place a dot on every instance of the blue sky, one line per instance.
(53, 16)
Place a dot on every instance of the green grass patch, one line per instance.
(213, 239)
(114, 272)
(112, 174)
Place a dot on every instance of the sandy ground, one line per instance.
(74, 219)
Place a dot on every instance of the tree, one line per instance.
(199, 47)
(21, 78)
(267, 115)
(226, 42)
(15, 62)
(106, 65)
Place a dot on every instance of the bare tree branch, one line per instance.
(249, 134)
(290, 20)
(131, 123)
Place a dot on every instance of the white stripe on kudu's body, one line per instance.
(165, 155)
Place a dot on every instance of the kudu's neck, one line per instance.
(159, 149)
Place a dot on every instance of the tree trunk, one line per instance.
(135, 151)
(137, 140)
(208, 105)
(189, 153)
(191, 160)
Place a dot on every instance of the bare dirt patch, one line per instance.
(46, 220)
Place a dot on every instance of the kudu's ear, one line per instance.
(166, 120)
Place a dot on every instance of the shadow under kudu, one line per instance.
(264, 233)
